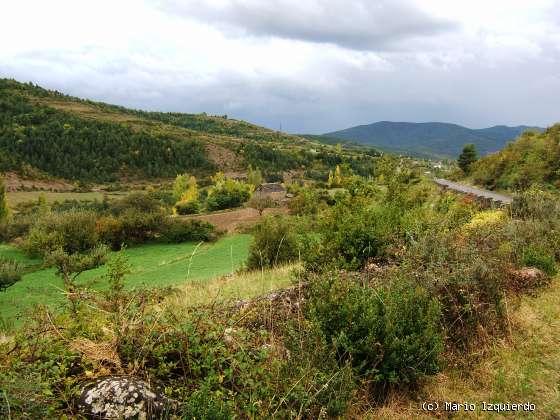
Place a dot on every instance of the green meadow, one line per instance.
(153, 265)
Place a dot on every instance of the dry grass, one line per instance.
(17, 197)
(238, 286)
(236, 219)
(523, 368)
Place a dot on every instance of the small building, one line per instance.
(275, 191)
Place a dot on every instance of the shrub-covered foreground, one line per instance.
(217, 361)
(397, 282)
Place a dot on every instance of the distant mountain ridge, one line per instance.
(431, 139)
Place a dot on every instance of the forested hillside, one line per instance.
(533, 159)
(430, 140)
(64, 145)
(46, 132)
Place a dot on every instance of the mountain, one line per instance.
(45, 133)
(431, 140)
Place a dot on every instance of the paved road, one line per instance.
(475, 191)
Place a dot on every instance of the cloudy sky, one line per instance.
(310, 65)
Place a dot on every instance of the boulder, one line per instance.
(123, 397)
(528, 278)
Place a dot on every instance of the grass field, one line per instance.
(238, 286)
(16, 197)
(153, 265)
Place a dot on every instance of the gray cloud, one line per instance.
(494, 72)
(359, 24)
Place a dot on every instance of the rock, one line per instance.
(528, 278)
(122, 397)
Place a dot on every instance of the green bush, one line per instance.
(131, 227)
(201, 405)
(140, 202)
(73, 231)
(193, 230)
(533, 257)
(390, 334)
(187, 207)
(223, 199)
(351, 233)
(275, 242)
(227, 193)
(10, 273)
(306, 202)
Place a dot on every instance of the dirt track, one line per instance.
(231, 220)
(474, 191)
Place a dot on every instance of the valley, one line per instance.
(241, 272)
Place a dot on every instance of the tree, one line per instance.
(69, 265)
(467, 157)
(335, 178)
(188, 203)
(261, 203)
(227, 193)
(43, 207)
(69, 242)
(254, 177)
(180, 186)
(191, 193)
(4, 209)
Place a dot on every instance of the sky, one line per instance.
(308, 66)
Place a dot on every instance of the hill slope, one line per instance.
(432, 140)
(45, 132)
(534, 158)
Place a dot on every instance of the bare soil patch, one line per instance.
(232, 220)
(224, 158)
(15, 182)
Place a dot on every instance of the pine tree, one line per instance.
(467, 157)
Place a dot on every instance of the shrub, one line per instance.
(130, 227)
(351, 233)
(534, 257)
(535, 204)
(193, 230)
(73, 231)
(165, 198)
(390, 334)
(10, 273)
(227, 193)
(187, 207)
(467, 269)
(141, 202)
(201, 405)
(306, 202)
(223, 199)
(275, 242)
